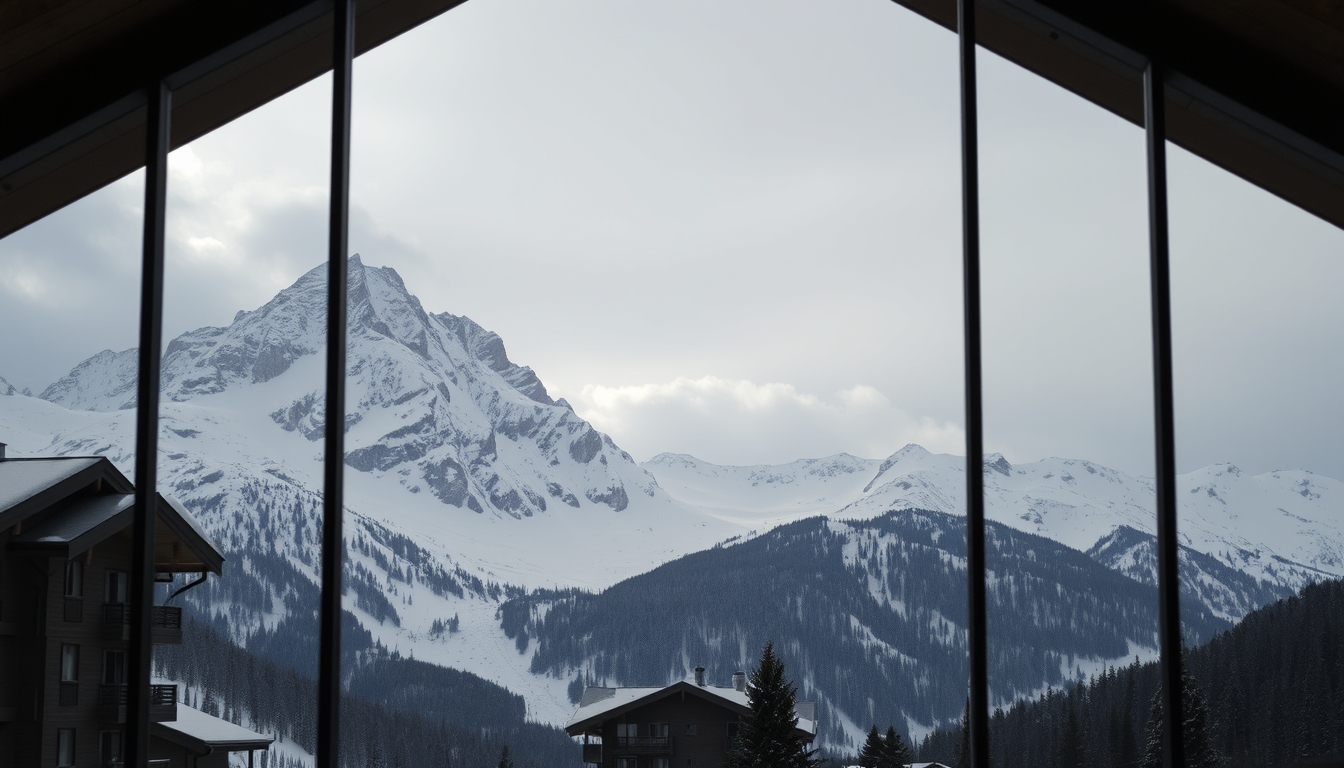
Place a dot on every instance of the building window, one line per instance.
(109, 748)
(65, 747)
(68, 694)
(658, 730)
(627, 730)
(114, 667)
(74, 578)
(69, 663)
(116, 587)
(660, 762)
(692, 729)
(625, 762)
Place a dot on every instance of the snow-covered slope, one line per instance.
(1286, 527)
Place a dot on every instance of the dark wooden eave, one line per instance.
(73, 77)
(1255, 86)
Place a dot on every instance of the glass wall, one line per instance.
(240, 414)
(687, 273)
(1256, 319)
(69, 302)
(1070, 541)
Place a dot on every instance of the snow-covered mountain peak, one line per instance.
(6, 388)
(431, 399)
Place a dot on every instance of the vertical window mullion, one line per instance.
(157, 126)
(329, 654)
(1168, 576)
(975, 480)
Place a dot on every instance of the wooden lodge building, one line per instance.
(683, 724)
(65, 557)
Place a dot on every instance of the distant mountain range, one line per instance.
(468, 486)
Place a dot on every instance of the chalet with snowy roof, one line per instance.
(65, 561)
(687, 723)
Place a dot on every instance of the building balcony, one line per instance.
(112, 702)
(643, 745)
(165, 623)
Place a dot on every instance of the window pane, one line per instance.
(74, 578)
(1069, 426)
(241, 416)
(65, 746)
(1257, 320)
(69, 663)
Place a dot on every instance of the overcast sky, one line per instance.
(733, 230)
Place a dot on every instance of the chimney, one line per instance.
(2, 451)
(739, 681)
(700, 676)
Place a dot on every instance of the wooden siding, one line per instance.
(706, 749)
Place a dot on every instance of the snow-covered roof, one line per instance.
(198, 730)
(93, 518)
(600, 702)
(23, 479)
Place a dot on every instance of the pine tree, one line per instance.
(1071, 742)
(873, 753)
(766, 737)
(505, 759)
(1199, 751)
(964, 755)
(894, 750)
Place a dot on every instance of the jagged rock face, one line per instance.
(6, 389)
(430, 397)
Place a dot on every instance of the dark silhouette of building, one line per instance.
(686, 723)
(65, 556)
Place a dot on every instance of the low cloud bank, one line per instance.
(736, 421)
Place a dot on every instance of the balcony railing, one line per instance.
(165, 623)
(114, 695)
(644, 744)
(112, 702)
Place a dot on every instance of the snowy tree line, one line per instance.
(1269, 691)
(870, 619)
(397, 712)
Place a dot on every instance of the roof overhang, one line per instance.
(202, 733)
(74, 77)
(66, 477)
(594, 723)
(180, 546)
(1255, 87)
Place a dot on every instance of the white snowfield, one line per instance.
(1285, 526)
(454, 447)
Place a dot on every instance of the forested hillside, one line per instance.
(1274, 687)
(398, 713)
(869, 617)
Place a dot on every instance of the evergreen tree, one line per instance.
(873, 752)
(1199, 751)
(894, 750)
(964, 754)
(766, 737)
(505, 760)
(1071, 742)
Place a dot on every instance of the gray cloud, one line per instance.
(635, 195)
